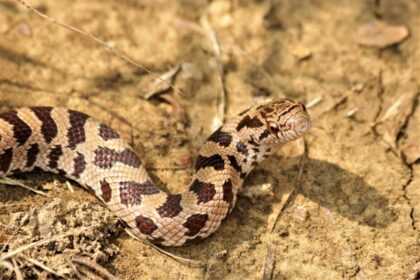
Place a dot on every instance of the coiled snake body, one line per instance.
(73, 144)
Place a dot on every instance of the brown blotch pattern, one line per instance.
(54, 155)
(195, 223)
(204, 191)
(106, 190)
(107, 133)
(79, 165)
(106, 158)
(32, 154)
(6, 159)
(215, 161)
(252, 141)
(21, 131)
(227, 192)
(76, 131)
(145, 225)
(171, 207)
(249, 122)
(234, 163)
(131, 192)
(242, 148)
(49, 128)
(263, 135)
(222, 138)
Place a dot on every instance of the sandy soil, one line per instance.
(352, 213)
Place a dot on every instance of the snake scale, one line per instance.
(89, 152)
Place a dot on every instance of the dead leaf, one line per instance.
(411, 153)
(162, 83)
(380, 34)
(395, 117)
(301, 52)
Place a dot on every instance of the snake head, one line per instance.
(285, 119)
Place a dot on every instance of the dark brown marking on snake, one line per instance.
(249, 122)
(128, 157)
(204, 191)
(234, 163)
(268, 109)
(106, 190)
(32, 154)
(252, 141)
(106, 158)
(215, 161)
(195, 223)
(49, 128)
(287, 111)
(263, 135)
(79, 165)
(76, 132)
(21, 131)
(107, 133)
(242, 148)
(145, 225)
(256, 151)
(156, 240)
(6, 159)
(228, 192)
(54, 155)
(171, 207)
(131, 192)
(222, 138)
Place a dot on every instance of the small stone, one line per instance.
(380, 34)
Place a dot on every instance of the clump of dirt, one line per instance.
(70, 229)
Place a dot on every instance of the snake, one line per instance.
(81, 148)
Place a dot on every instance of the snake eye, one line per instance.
(273, 128)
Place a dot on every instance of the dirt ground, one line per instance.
(343, 204)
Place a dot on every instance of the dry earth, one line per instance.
(343, 205)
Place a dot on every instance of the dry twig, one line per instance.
(295, 190)
(37, 243)
(41, 265)
(218, 55)
(270, 258)
(106, 45)
(95, 266)
(12, 182)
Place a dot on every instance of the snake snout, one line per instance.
(303, 127)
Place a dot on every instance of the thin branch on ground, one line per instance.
(38, 243)
(106, 45)
(314, 102)
(40, 265)
(18, 273)
(270, 258)
(296, 187)
(22, 222)
(13, 182)
(95, 266)
(220, 69)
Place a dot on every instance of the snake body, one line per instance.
(89, 152)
